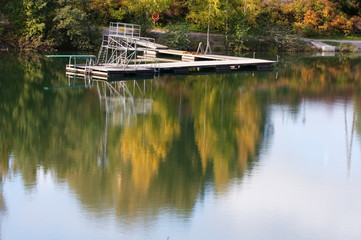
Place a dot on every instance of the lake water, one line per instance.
(240, 155)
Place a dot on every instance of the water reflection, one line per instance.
(138, 149)
(4, 168)
(357, 107)
(350, 123)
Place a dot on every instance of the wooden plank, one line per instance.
(151, 45)
(199, 56)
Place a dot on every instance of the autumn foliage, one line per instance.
(312, 17)
(43, 24)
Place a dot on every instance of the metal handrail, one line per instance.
(124, 29)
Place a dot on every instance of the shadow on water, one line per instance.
(142, 146)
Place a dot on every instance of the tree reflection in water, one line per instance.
(153, 144)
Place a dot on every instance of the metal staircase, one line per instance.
(123, 47)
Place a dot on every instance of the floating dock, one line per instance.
(125, 53)
(170, 67)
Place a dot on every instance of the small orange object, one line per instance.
(155, 16)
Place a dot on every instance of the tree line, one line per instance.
(71, 24)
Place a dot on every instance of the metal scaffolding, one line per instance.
(124, 47)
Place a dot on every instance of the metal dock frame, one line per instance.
(124, 48)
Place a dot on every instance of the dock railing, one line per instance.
(124, 29)
(124, 48)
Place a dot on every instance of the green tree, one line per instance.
(143, 9)
(72, 28)
(107, 11)
(34, 35)
(209, 11)
(28, 23)
(141, 6)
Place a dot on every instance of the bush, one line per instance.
(269, 38)
(356, 24)
(239, 40)
(177, 37)
(347, 47)
(280, 39)
(26, 43)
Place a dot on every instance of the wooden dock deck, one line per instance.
(204, 62)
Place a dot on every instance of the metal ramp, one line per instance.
(123, 47)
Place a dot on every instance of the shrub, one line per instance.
(272, 38)
(177, 37)
(347, 47)
(356, 24)
(238, 41)
(26, 43)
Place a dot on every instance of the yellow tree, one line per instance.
(244, 11)
(209, 11)
(139, 7)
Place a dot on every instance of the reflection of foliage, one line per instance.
(215, 136)
(227, 136)
(33, 118)
(4, 170)
(147, 143)
(357, 110)
(201, 130)
(317, 76)
(251, 121)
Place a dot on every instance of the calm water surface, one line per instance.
(244, 155)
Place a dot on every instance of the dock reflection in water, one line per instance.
(204, 156)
